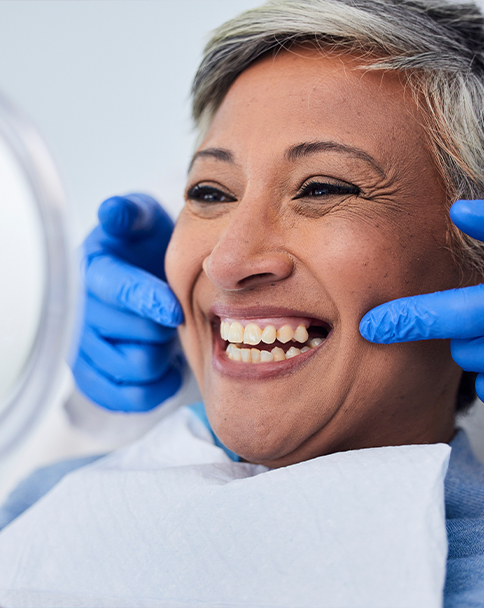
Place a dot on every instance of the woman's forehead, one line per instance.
(302, 96)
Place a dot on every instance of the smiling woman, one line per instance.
(310, 226)
(334, 137)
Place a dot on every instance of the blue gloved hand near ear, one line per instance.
(457, 314)
(128, 358)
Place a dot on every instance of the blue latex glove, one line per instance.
(457, 314)
(128, 358)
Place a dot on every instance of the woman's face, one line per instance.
(312, 199)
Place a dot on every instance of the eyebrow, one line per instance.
(294, 153)
(217, 153)
(298, 151)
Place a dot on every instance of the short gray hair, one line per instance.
(437, 45)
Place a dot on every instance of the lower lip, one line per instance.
(257, 371)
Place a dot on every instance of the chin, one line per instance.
(256, 432)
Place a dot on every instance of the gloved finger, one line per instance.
(468, 216)
(134, 228)
(132, 215)
(468, 354)
(125, 397)
(127, 287)
(118, 324)
(480, 386)
(456, 313)
(126, 362)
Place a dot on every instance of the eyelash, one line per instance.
(206, 194)
(210, 195)
(326, 189)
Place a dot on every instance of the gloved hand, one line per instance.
(457, 314)
(128, 358)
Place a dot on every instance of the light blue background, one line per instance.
(107, 83)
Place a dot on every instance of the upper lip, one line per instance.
(262, 312)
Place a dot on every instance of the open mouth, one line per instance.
(271, 340)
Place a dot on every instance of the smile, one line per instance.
(275, 338)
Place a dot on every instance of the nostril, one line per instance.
(256, 278)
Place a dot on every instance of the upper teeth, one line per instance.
(252, 334)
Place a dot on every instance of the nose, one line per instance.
(250, 251)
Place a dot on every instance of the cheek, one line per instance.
(186, 251)
(363, 264)
(190, 244)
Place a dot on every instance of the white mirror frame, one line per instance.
(31, 393)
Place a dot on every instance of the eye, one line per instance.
(204, 193)
(317, 188)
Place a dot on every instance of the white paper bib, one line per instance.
(172, 522)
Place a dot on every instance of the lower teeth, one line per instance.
(254, 355)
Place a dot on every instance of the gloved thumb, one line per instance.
(133, 215)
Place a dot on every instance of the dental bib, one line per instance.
(171, 521)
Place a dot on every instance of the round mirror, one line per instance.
(36, 274)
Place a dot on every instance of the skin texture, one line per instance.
(254, 242)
